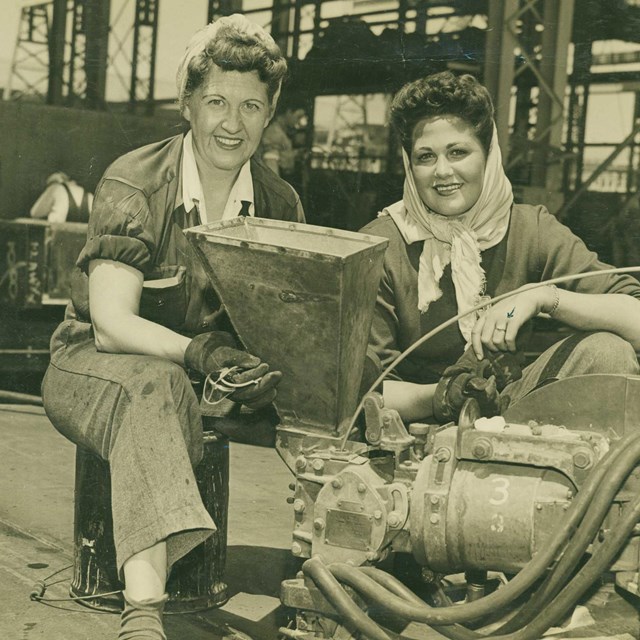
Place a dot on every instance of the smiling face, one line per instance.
(448, 163)
(228, 113)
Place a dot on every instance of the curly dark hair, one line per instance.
(442, 94)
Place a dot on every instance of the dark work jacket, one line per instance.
(138, 219)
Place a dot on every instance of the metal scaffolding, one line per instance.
(219, 8)
(76, 82)
(145, 38)
(29, 74)
(520, 48)
(529, 40)
(62, 53)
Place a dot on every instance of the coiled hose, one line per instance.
(332, 590)
(585, 515)
(625, 463)
(453, 631)
(600, 488)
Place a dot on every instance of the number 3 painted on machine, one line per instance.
(501, 490)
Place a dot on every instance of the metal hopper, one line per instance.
(300, 297)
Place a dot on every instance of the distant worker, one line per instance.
(63, 200)
(277, 148)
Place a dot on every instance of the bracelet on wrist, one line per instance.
(556, 300)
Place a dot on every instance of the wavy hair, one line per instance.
(442, 94)
(234, 44)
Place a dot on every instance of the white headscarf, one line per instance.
(203, 37)
(457, 240)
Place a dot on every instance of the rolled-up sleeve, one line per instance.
(120, 228)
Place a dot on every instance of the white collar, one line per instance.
(193, 196)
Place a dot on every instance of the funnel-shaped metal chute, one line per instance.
(300, 297)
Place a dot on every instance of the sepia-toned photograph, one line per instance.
(320, 319)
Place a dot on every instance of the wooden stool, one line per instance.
(196, 580)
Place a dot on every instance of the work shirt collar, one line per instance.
(240, 201)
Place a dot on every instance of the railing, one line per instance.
(599, 171)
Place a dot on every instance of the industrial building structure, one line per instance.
(538, 59)
(82, 91)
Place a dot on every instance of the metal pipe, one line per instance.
(476, 584)
(20, 398)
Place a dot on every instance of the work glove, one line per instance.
(212, 352)
(483, 380)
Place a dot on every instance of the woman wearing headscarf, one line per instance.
(455, 237)
(117, 383)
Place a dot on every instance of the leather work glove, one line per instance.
(210, 353)
(483, 380)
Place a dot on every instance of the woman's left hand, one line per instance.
(497, 328)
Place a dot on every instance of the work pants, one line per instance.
(139, 413)
(580, 353)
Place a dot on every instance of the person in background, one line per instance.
(63, 200)
(119, 379)
(457, 236)
(277, 148)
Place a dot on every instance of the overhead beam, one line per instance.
(96, 16)
(499, 65)
(556, 38)
(57, 37)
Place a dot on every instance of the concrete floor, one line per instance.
(36, 539)
(36, 532)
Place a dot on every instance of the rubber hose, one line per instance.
(591, 571)
(452, 631)
(340, 600)
(380, 586)
(38, 590)
(579, 544)
(520, 583)
(371, 590)
(392, 583)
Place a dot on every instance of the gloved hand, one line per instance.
(209, 353)
(483, 380)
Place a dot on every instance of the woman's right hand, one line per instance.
(210, 353)
(497, 328)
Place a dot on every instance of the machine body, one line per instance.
(472, 496)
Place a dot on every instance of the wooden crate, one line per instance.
(36, 260)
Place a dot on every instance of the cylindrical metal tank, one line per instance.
(484, 515)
